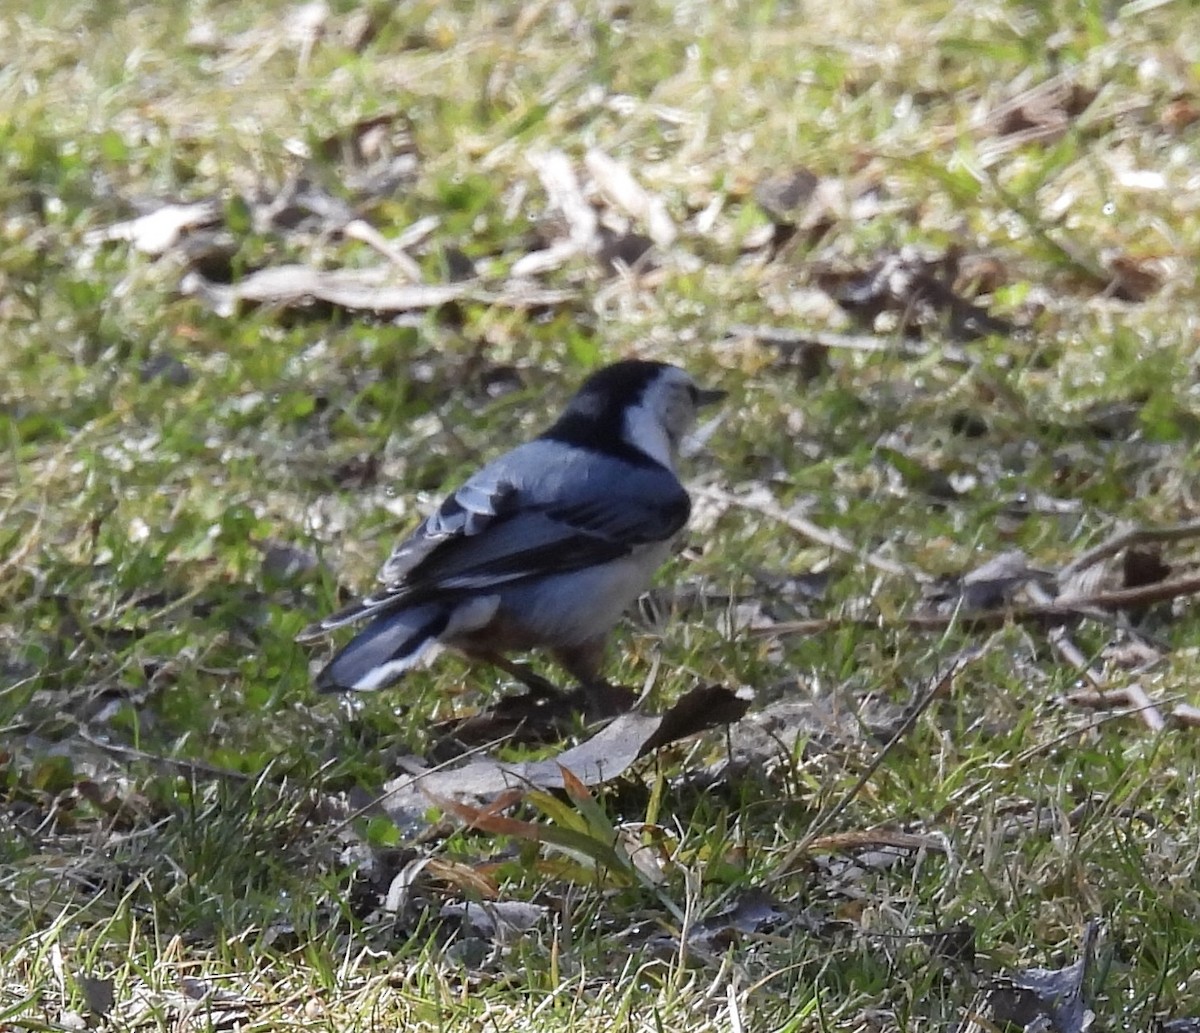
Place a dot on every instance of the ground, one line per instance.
(941, 256)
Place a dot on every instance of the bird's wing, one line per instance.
(466, 513)
(472, 546)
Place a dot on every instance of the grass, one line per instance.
(165, 767)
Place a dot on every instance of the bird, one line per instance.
(543, 549)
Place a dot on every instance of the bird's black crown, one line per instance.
(595, 416)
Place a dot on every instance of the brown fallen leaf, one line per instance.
(1042, 112)
(1134, 279)
(785, 196)
(704, 707)
(1179, 113)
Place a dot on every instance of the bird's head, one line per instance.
(647, 406)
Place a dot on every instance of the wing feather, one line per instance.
(481, 538)
(469, 511)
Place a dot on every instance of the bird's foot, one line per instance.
(539, 687)
(600, 700)
(542, 714)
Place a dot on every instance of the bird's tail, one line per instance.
(379, 655)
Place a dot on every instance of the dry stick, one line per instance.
(1052, 744)
(1091, 607)
(814, 532)
(1062, 642)
(363, 231)
(937, 687)
(175, 764)
(1143, 595)
(1125, 537)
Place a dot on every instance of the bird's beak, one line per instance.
(709, 396)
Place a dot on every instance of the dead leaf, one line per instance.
(785, 197)
(98, 993)
(501, 921)
(531, 717)
(1040, 114)
(991, 586)
(704, 707)
(1143, 567)
(915, 291)
(1048, 106)
(601, 758)
(1179, 113)
(1134, 279)
(772, 735)
(1045, 998)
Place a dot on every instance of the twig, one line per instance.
(1089, 607)
(363, 231)
(938, 687)
(1133, 696)
(1065, 645)
(1127, 598)
(1073, 733)
(186, 767)
(1125, 537)
(814, 532)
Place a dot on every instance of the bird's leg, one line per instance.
(584, 662)
(534, 682)
(598, 696)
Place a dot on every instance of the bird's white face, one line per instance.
(664, 415)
